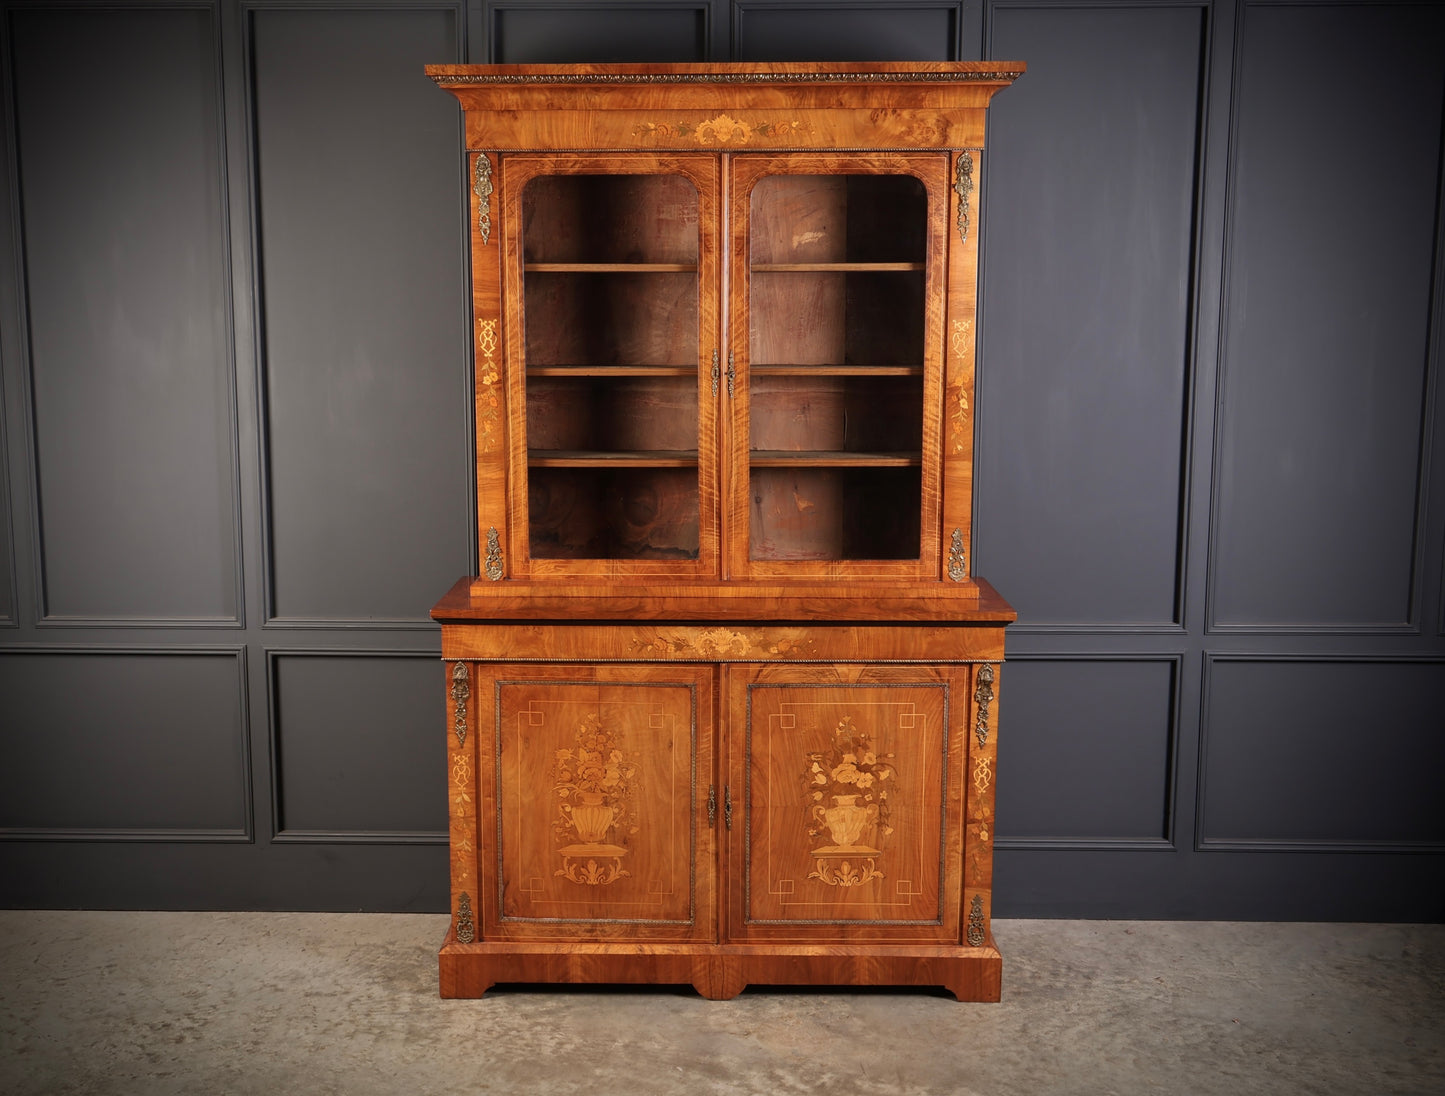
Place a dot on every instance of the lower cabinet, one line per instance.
(721, 824)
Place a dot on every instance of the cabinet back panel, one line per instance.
(857, 414)
(609, 218)
(612, 414)
(834, 513)
(596, 513)
(611, 319)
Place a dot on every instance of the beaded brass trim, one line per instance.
(465, 79)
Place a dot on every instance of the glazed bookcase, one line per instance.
(723, 702)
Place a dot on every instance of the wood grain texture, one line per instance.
(864, 105)
(821, 602)
(721, 972)
(726, 718)
(462, 797)
(850, 803)
(958, 405)
(980, 733)
(489, 360)
(722, 640)
(593, 786)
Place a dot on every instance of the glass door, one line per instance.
(835, 431)
(617, 283)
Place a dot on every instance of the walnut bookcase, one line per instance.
(722, 706)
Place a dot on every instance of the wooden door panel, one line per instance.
(611, 275)
(594, 792)
(837, 268)
(850, 780)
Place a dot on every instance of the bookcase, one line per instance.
(723, 701)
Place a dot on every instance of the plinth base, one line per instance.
(720, 971)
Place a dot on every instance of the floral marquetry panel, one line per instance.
(849, 778)
(594, 790)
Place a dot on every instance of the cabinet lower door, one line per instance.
(846, 783)
(594, 784)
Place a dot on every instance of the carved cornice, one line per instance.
(466, 79)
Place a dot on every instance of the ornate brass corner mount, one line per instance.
(466, 928)
(963, 187)
(976, 931)
(494, 555)
(982, 698)
(461, 693)
(482, 188)
(957, 558)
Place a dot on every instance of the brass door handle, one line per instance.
(732, 374)
(716, 372)
(728, 806)
(712, 804)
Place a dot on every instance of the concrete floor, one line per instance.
(222, 1003)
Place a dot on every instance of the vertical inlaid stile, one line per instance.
(484, 179)
(979, 776)
(958, 397)
(462, 796)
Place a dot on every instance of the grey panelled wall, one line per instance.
(237, 448)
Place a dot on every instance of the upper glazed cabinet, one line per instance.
(722, 347)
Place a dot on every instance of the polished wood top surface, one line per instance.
(821, 603)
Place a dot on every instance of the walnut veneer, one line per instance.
(723, 703)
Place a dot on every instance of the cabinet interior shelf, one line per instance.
(834, 268)
(610, 268)
(612, 371)
(836, 370)
(782, 458)
(591, 458)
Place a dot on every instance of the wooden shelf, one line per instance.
(836, 370)
(585, 458)
(610, 268)
(779, 458)
(689, 371)
(835, 268)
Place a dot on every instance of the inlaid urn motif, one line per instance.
(593, 785)
(847, 789)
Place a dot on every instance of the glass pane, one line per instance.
(835, 396)
(610, 288)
